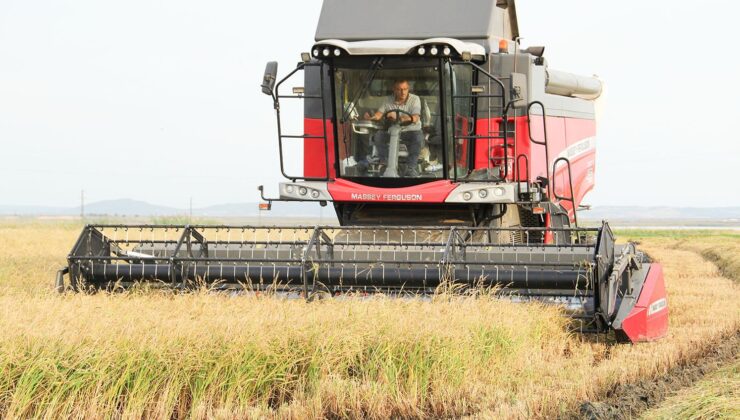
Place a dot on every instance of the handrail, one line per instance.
(541, 143)
(572, 197)
(281, 136)
(504, 107)
(527, 173)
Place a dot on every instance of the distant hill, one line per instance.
(123, 207)
(661, 213)
(128, 207)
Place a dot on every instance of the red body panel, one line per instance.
(432, 192)
(571, 138)
(648, 320)
(567, 137)
(581, 139)
(491, 151)
(314, 154)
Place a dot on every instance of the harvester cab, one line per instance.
(445, 122)
(452, 157)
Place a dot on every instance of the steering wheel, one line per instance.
(398, 113)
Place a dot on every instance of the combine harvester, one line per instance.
(452, 158)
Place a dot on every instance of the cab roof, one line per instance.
(483, 22)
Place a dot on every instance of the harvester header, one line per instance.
(451, 156)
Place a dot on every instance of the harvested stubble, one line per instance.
(202, 355)
(715, 397)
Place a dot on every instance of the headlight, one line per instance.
(315, 194)
(303, 191)
(498, 191)
(289, 189)
(467, 196)
(483, 193)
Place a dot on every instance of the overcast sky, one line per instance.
(160, 100)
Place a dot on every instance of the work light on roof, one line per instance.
(434, 50)
(326, 52)
(337, 52)
(446, 51)
(316, 52)
(422, 50)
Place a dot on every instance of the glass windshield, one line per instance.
(389, 123)
(461, 126)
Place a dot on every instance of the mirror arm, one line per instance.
(261, 188)
(510, 104)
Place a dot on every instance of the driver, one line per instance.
(411, 133)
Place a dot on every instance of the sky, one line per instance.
(160, 100)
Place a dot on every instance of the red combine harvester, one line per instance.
(452, 158)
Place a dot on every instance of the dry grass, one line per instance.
(722, 248)
(204, 355)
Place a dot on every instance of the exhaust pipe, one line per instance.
(572, 85)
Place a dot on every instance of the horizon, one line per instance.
(120, 201)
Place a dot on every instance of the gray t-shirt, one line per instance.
(412, 106)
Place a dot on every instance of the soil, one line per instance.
(629, 400)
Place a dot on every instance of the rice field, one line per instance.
(204, 355)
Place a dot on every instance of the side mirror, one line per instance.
(518, 90)
(535, 51)
(268, 80)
